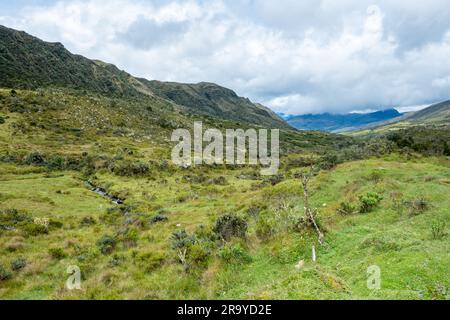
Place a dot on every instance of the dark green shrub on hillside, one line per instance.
(57, 253)
(18, 264)
(159, 217)
(35, 159)
(129, 168)
(2, 120)
(369, 201)
(106, 244)
(229, 226)
(181, 240)
(87, 221)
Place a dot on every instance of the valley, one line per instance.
(86, 148)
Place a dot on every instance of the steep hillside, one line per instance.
(340, 122)
(211, 99)
(27, 62)
(436, 114)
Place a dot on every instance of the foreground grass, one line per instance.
(414, 264)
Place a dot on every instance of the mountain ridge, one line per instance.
(340, 122)
(28, 62)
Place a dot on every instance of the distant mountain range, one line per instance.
(27, 62)
(436, 115)
(340, 122)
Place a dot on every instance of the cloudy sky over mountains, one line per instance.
(296, 57)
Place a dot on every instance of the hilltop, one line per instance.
(27, 62)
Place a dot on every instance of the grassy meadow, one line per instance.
(207, 232)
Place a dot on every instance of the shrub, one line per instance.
(234, 254)
(158, 218)
(4, 274)
(2, 120)
(57, 253)
(87, 221)
(35, 159)
(18, 264)
(346, 208)
(129, 168)
(106, 244)
(180, 239)
(229, 226)
(369, 201)
(438, 230)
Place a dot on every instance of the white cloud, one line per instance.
(295, 56)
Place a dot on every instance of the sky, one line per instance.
(296, 57)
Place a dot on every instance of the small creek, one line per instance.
(103, 193)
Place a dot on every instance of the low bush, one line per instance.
(57, 253)
(106, 244)
(369, 201)
(158, 218)
(181, 240)
(87, 221)
(129, 168)
(229, 226)
(18, 264)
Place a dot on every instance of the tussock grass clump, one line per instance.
(234, 254)
(4, 274)
(438, 230)
(150, 261)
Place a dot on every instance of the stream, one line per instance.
(103, 193)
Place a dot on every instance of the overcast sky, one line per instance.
(294, 56)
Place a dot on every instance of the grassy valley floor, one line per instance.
(405, 235)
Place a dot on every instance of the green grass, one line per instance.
(413, 264)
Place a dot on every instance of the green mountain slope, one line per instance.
(27, 62)
(211, 99)
(436, 114)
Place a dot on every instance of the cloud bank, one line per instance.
(294, 56)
